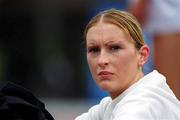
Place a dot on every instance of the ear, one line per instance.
(144, 53)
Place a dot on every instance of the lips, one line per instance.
(105, 74)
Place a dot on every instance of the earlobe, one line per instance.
(144, 53)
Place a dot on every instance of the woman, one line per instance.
(116, 53)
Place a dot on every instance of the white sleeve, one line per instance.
(92, 114)
(84, 116)
(96, 112)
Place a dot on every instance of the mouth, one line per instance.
(105, 75)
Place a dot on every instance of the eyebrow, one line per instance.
(92, 43)
(114, 41)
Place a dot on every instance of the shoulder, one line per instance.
(100, 108)
(105, 101)
(147, 102)
(96, 112)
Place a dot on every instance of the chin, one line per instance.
(105, 87)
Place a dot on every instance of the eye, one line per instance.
(93, 49)
(115, 47)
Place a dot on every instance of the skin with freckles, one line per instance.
(113, 59)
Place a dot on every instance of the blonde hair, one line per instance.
(124, 20)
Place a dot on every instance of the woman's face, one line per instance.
(112, 58)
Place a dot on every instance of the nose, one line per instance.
(103, 60)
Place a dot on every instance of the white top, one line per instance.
(148, 99)
(163, 16)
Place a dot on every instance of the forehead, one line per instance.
(105, 30)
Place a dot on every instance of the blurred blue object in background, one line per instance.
(149, 65)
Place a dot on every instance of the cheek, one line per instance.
(122, 59)
(93, 70)
(125, 61)
(91, 64)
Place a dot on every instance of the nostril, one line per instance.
(103, 63)
(106, 63)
